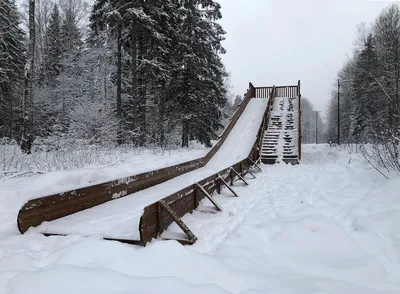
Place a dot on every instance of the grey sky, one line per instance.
(281, 41)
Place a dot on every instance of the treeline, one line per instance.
(369, 111)
(130, 72)
(312, 125)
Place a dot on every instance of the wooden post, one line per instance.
(226, 185)
(252, 90)
(254, 164)
(160, 219)
(179, 222)
(218, 184)
(240, 177)
(300, 137)
(196, 196)
(201, 188)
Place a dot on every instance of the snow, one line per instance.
(14, 193)
(328, 225)
(120, 218)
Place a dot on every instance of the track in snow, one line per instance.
(325, 223)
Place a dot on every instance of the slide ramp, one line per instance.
(156, 198)
(119, 218)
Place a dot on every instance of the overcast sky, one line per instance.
(281, 41)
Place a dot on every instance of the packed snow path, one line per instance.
(120, 218)
(329, 225)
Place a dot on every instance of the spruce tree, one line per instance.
(201, 73)
(71, 37)
(170, 70)
(53, 47)
(366, 93)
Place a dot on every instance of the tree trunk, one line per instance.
(27, 132)
(142, 94)
(119, 86)
(134, 79)
(161, 118)
(185, 133)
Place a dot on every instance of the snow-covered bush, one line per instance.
(93, 121)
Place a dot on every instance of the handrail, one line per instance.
(250, 94)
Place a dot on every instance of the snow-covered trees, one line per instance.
(311, 123)
(53, 48)
(141, 71)
(12, 62)
(171, 74)
(369, 88)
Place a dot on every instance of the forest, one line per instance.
(369, 93)
(143, 73)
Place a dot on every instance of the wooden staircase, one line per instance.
(280, 141)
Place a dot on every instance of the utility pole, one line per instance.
(316, 127)
(338, 112)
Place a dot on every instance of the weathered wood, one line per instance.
(250, 173)
(229, 188)
(182, 242)
(209, 197)
(239, 176)
(49, 208)
(255, 164)
(178, 221)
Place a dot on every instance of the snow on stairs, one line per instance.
(280, 141)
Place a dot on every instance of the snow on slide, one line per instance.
(120, 218)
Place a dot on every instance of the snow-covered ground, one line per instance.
(110, 165)
(329, 225)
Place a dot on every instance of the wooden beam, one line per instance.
(183, 242)
(217, 206)
(240, 177)
(255, 164)
(179, 222)
(226, 185)
(125, 241)
(250, 173)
